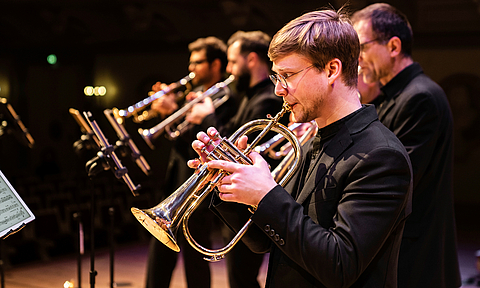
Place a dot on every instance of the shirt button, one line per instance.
(271, 233)
(281, 242)
(267, 228)
(276, 237)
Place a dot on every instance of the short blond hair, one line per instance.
(320, 36)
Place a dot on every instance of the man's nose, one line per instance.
(279, 90)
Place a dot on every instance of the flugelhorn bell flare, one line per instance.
(164, 219)
(163, 234)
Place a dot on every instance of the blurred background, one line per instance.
(50, 50)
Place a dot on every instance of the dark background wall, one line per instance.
(129, 45)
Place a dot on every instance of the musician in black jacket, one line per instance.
(416, 109)
(208, 60)
(339, 221)
(248, 62)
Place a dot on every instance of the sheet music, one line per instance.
(14, 214)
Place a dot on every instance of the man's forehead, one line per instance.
(363, 28)
(198, 53)
(289, 61)
(234, 47)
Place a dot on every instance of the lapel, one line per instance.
(394, 88)
(384, 108)
(332, 151)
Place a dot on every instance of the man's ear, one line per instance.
(216, 64)
(394, 46)
(333, 70)
(252, 59)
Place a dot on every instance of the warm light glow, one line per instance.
(97, 90)
(88, 90)
(4, 85)
(101, 91)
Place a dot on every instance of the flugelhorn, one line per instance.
(135, 109)
(163, 220)
(170, 124)
(288, 158)
(267, 148)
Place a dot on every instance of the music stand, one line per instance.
(107, 152)
(14, 215)
(11, 124)
(126, 140)
(106, 159)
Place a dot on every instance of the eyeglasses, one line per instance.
(362, 45)
(195, 63)
(283, 79)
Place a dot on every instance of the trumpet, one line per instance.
(133, 110)
(167, 125)
(163, 220)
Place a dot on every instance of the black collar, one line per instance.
(252, 91)
(398, 83)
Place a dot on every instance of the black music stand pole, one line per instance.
(93, 272)
(111, 213)
(107, 153)
(78, 217)
(106, 159)
(2, 271)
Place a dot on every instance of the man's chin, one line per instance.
(297, 118)
(369, 79)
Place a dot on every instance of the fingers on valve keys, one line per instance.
(204, 145)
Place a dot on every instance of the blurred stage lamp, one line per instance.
(88, 90)
(95, 91)
(52, 59)
(100, 91)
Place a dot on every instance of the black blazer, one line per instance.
(345, 227)
(416, 109)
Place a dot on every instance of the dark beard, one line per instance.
(243, 81)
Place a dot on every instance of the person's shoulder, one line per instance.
(376, 135)
(423, 94)
(423, 86)
(267, 95)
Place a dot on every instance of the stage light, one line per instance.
(95, 91)
(52, 59)
(88, 90)
(100, 91)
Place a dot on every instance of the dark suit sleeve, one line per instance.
(370, 206)
(235, 216)
(418, 125)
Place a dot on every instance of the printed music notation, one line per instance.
(13, 211)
